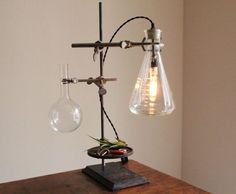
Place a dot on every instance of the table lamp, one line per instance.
(151, 96)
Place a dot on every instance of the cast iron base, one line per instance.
(114, 176)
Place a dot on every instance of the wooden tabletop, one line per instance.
(75, 182)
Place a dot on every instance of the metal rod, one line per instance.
(96, 80)
(96, 44)
(111, 44)
(101, 74)
(89, 80)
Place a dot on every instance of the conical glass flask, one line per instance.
(65, 115)
(152, 94)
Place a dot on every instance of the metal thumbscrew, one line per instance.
(90, 81)
(102, 91)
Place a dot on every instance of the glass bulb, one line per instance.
(151, 94)
(65, 115)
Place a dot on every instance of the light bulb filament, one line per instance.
(153, 84)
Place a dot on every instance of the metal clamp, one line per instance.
(99, 81)
(97, 50)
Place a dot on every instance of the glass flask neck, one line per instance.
(64, 88)
(152, 48)
(64, 91)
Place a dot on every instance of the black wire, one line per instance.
(108, 118)
(118, 29)
(104, 58)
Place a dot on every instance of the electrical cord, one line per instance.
(118, 29)
(109, 120)
(104, 58)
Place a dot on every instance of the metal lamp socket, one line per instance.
(153, 34)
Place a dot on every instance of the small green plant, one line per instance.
(106, 144)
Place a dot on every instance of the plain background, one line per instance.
(209, 132)
(197, 142)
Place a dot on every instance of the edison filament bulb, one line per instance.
(152, 94)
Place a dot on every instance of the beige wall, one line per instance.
(209, 136)
(35, 37)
